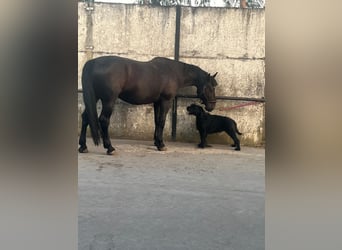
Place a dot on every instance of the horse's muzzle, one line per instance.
(210, 105)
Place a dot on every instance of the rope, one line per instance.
(238, 106)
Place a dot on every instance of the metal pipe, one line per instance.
(176, 57)
(177, 33)
(230, 98)
(227, 98)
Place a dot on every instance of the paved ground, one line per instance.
(183, 198)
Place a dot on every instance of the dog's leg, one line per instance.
(203, 136)
(235, 139)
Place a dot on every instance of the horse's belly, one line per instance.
(138, 99)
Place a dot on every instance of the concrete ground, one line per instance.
(183, 198)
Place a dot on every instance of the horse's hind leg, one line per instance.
(161, 113)
(107, 109)
(82, 141)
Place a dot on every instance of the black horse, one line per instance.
(157, 81)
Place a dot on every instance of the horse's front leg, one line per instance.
(156, 107)
(161, 108)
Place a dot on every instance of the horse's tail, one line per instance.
(236, 129)
(89, 99)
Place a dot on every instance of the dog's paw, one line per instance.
(200, 145)
(208, 146)
(237, 149)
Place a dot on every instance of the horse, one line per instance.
(156, 81)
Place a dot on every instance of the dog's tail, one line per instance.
(236, 129)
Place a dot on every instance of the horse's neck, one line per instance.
(192, 74)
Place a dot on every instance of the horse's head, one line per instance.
(206, 92)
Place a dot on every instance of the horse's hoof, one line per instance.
(162, 148)
(110, 151)
(83, 150)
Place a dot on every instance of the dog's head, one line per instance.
(194, 109)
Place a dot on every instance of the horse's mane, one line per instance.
(194, 72)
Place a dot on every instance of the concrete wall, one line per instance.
(228, 41)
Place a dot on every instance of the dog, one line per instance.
(209, 124)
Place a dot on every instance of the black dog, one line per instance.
(208, 124)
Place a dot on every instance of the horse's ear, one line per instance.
(215, 74)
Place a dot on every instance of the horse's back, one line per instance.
(133, 81)
(107, 61)
(164, 61)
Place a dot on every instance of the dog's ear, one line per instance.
(215, 74)
(200, 111)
